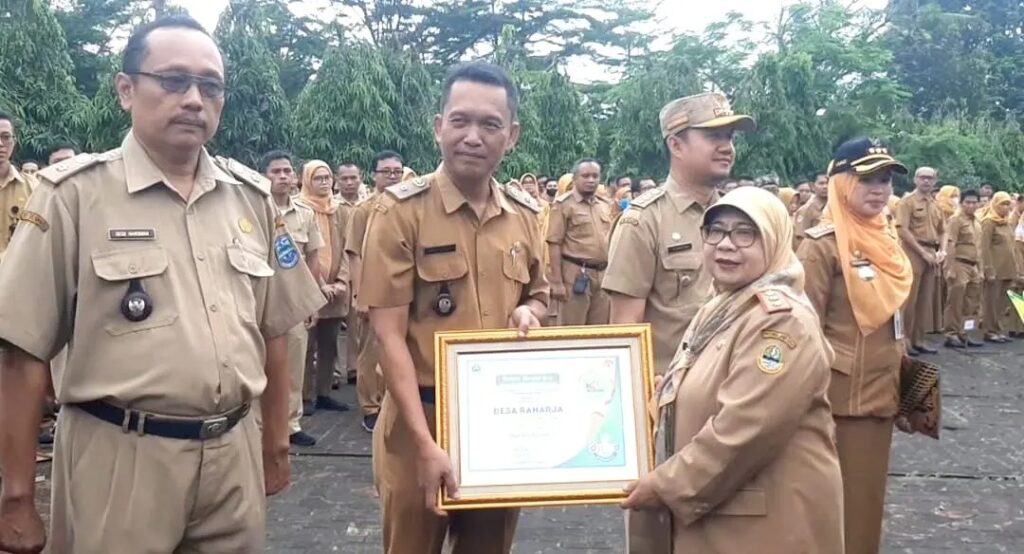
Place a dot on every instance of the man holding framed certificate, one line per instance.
(449, 251)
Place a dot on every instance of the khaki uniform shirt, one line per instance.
(301, 224)
(580, 226)
(425, 235)
(921, 216)
(964, 238)
(866, 371)
(216, 269)
(806, 217)
(355, 234)
(338, 272)
(656, 253)
(755, 440)
(997, 257)
(14, 194)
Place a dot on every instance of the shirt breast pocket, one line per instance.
(516, 271)
(249, 271)
(680, 271)
(439, 271)
(116, 270)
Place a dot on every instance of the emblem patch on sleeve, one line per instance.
(34, 219)
(286, 252)
(771, 360)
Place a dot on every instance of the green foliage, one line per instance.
(93, 29)
(105, 122)
(36, 77)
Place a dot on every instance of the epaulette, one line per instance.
(647, 198)
(408, 189)
(245, 174)
(523, 198)
(563, 197)
(774, 301)
(820, 230)
(61, 171)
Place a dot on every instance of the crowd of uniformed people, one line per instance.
(184, 312)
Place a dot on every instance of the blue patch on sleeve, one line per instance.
(286, 251)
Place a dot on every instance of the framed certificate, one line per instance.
(554, 419)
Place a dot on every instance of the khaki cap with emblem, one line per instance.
(710, 110)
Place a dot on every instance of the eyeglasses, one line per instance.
(740, 237)
(179, 83)
(390, 172)
(7, 138)
(321, 179)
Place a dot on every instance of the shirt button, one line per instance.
(224, 363)
(213, 307)
(487, 312)
(200, 256)
(483, 274)
(132, 269)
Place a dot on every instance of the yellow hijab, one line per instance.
(324, 207)
(998, 198)
(564, 183)
(874, 302)
(946, 199)
(786, 194)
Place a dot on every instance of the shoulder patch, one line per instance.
(820, 231)
(522, 198)
(245, 174)
(408, 189)
(774, 301)
(647, 198)
(563, 197)
(57, 173)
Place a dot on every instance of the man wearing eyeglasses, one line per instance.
(15, 187)
(173, 282)
(387, 167)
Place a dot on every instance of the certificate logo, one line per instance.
(604, 448)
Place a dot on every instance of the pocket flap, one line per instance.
(515, 267)
(435, 268)
(122, 265)
(681, 261)
(746, 502)
(248, 263)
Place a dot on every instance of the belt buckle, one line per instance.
(213, 428)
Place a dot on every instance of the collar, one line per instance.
(583, 200)
(452, 198)
(681, 199)
(287, 208)
(141, 173)
(14, 175)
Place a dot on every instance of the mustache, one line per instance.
(185, 120)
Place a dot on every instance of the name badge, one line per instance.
(131, 234)
(969, 325)
(897, 325)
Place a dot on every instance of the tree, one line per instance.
(93, 29)
(257, 116)
(36, 76)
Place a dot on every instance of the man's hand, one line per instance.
(930, 257)
(523, 319)
(641, 495)
(328, 292)
(558, 291)
(940, 257)
(277, 469)
(21, 528)
(435, 471)
(311, 322)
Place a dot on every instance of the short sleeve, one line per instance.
(389, 264)
(903, 210)
(291, 294)
(316, 239)
(632, 257)
(356, 231)
(39, 277)
(556, 225)
(539, 289)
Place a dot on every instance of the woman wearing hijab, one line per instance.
(317, 182)
(948, 199)
(998, 265)
(746, 459)
(858, 278)
(790, 199)
(528, 182)
(623, 196)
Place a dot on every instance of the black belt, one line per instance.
(146, 424)
(427, 395)
(585, 264)
(966, 261)
(929, 244)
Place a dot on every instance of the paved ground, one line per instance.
(963, 494)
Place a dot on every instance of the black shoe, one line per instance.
(301, 439)
(925, 349)
(954, 342)
(913, 352)
(308, 408)
(1005, 339)
(997, 339)
(46, 437)
(351, 376)
(974, 343)
(330, 404)
(370, 423)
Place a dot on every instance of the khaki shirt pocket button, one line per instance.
(133, 269)
(685, 280)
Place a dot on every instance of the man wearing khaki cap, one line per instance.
(655, 273)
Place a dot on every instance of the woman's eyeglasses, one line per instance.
(740, 237)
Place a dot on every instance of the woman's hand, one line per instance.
(641, 495)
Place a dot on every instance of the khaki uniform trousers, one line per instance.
(963, 303)
(345, 364)
(996, 304)
(919, 311)
(593, 307)
(321, 353)
(298, 339)
(369, 380)
(863, 444)
(121, 493)
(408, 526)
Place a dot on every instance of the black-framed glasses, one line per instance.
(740, 237)
(322, 179)
(390, 172)
(180, 83)
(7, 138)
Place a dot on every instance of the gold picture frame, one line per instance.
(513, 413)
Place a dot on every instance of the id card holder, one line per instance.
(969, 325)
(897, 325)
(579, 286)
